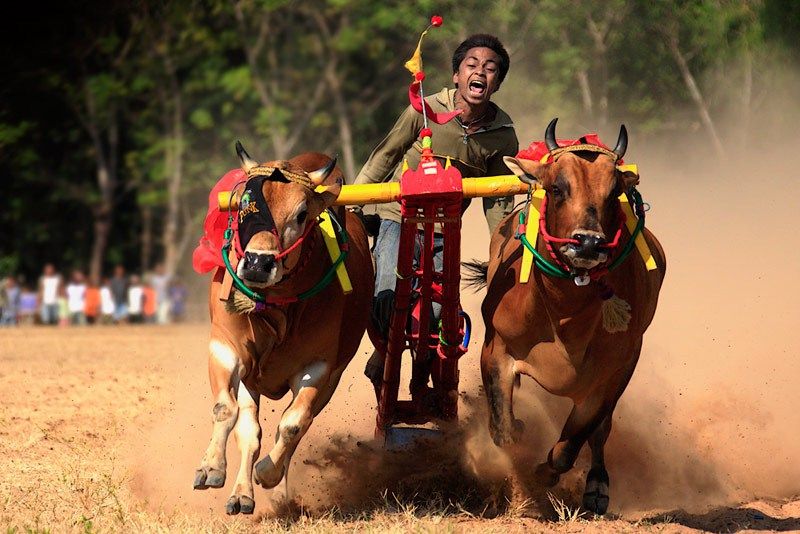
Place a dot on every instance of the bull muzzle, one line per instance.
(257, 267)
(589, 251)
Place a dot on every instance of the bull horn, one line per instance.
(622, 142)
(550, 135)
(245, 159)
(318, 177)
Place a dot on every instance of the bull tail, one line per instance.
(475, 274)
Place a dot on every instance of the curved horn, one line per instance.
(550, 135)
(319, 176)
(622, 142)
(245, 159)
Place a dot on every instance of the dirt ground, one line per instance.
(101, 428)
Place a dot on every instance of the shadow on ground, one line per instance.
(727, 519)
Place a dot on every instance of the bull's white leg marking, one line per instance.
(294, 424)
(223, 367)
(223, 354)
(248, 438)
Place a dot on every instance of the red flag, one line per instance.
(417, 101)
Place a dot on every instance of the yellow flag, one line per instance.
(414, 65)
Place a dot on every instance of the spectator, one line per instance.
(135, 300)
(49, 290)
(28, 301)
(119, 292)
(150, 304)
(92, 304)
(76, 298)
(160, 282)
(107, 306)
(63, 307)
(10, 297)
(177, 297)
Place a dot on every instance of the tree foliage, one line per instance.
(117, 117)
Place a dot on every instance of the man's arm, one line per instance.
(387, 155)
(497, 208)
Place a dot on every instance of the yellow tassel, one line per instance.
(616, 314)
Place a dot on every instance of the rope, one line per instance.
(557, 271)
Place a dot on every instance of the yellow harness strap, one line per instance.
(532, 229)
(331, 243)
(531, 232)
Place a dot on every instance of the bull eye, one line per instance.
(556, 191)
(302, 216)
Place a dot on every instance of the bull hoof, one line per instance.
(267, 474)
(240, 504)
(595, 497)
(208, 477)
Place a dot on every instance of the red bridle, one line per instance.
(549, 239)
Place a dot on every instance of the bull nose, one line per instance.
(588, 244)
(257, 267)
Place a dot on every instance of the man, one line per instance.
(49, 291)
(475, 141)
(119, 292)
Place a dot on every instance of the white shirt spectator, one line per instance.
(135, 299)
(50, 289)
(106, 301)
(76, 297)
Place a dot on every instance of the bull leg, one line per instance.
(307, 387)
(591, 420)
(248, 437)
(595, 496)
(223, 372)
(499, 377)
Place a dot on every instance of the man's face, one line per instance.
(477, 75)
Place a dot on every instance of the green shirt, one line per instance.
(476, 154)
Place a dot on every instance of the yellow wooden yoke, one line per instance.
(489, 186)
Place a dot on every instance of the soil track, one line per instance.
(102, 428)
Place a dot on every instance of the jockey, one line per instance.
(475, 141)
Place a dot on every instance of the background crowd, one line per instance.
(154, 298)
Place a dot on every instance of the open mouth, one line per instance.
(477, 87)
(580, 261)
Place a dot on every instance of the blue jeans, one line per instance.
(49, 313)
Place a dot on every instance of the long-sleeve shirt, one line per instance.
(475, 154)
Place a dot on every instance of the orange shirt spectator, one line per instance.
(91, 305)
(150, 304)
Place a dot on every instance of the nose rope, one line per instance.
(561, 270)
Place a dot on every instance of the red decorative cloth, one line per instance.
(417, 101)
(207, 255)
(538, 149)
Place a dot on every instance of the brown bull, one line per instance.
(552, 329)
(302, 347)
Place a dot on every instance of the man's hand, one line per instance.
(371, 222)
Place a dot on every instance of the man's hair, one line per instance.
(483, 40)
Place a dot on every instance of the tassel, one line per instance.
(240, 303)
(616, 312)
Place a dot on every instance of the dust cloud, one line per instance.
(711, 416)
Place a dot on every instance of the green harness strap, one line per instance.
(551, 269)
(319, 286)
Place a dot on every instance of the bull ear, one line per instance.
(526, 170)
(627, 179)
(318, 176)
(329, 193)
(244, 158)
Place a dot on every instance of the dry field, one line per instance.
(101, 428)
